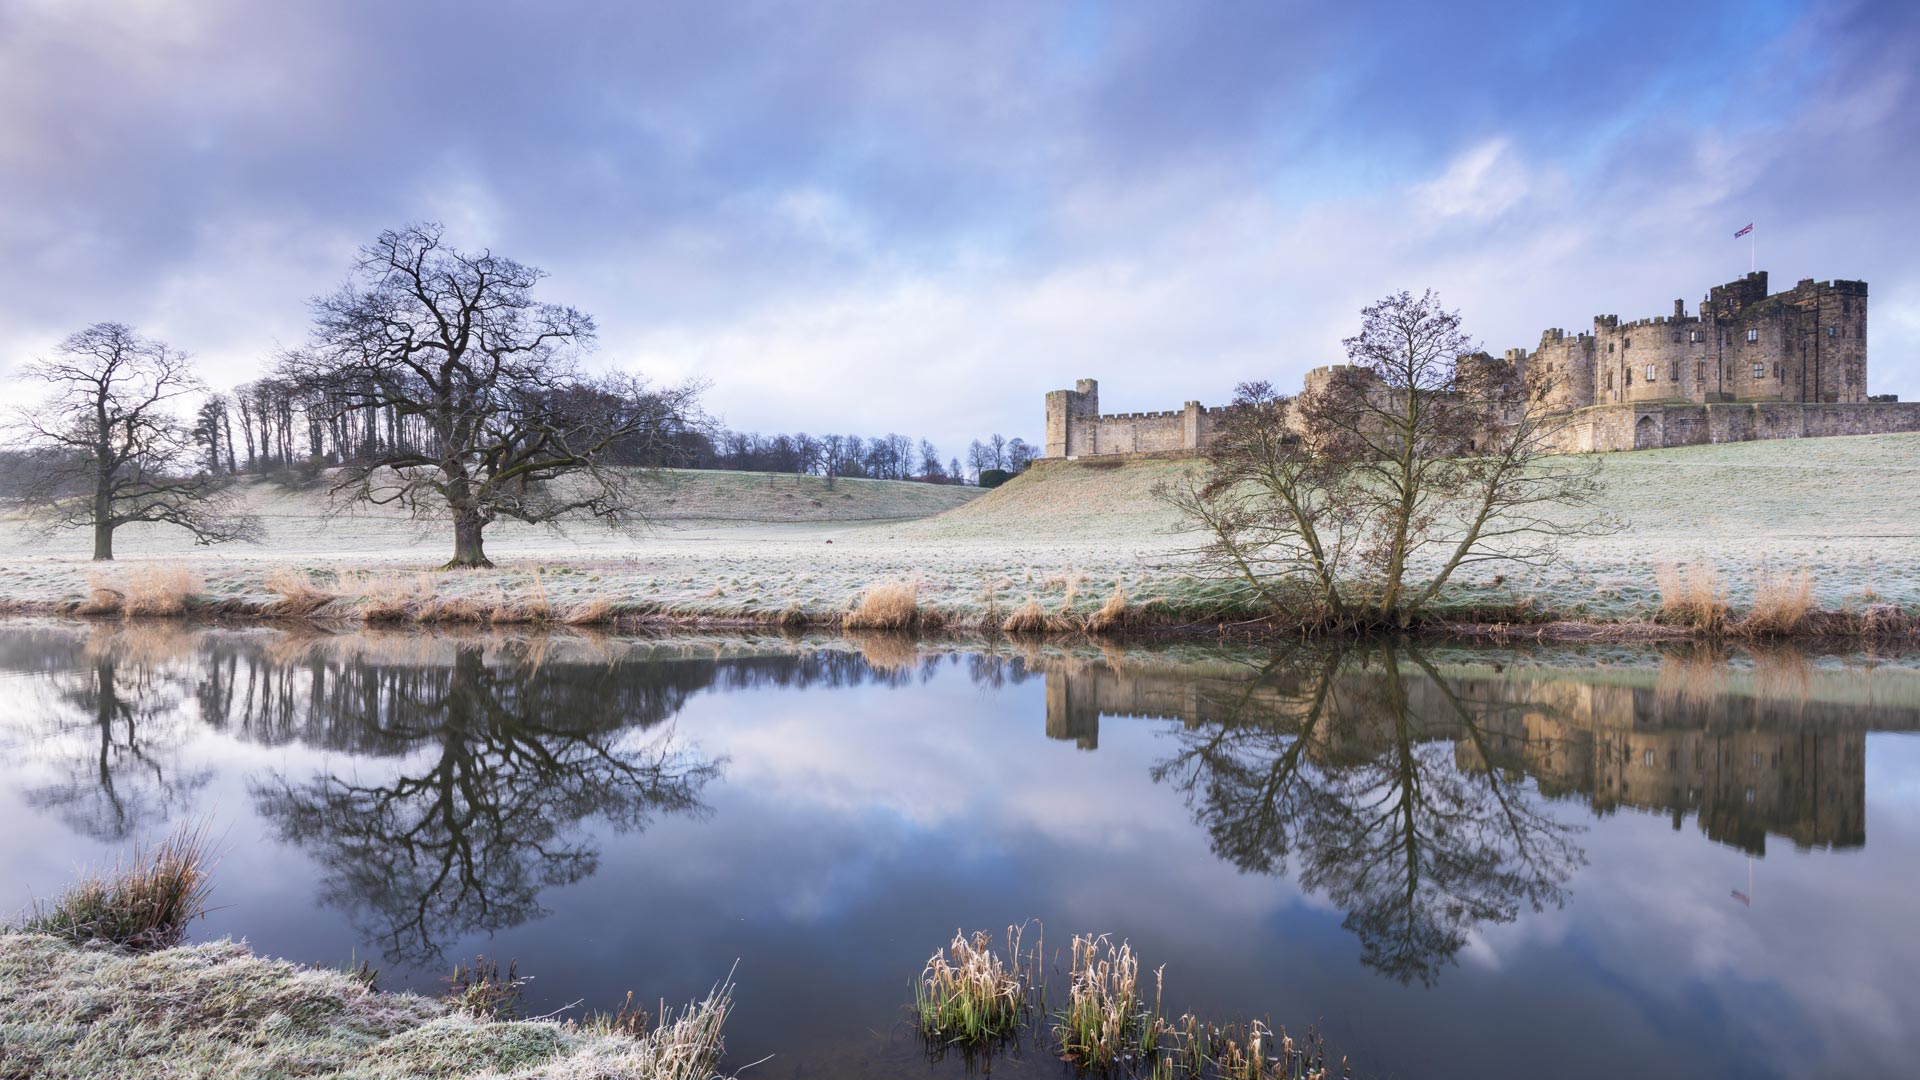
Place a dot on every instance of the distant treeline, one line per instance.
(273, 425)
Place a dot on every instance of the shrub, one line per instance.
(889, 605)
(481, 989)
(143, 904)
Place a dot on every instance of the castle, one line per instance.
(1746, 365)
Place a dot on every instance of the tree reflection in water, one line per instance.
(502, 761)
(1349, 764)
(112, 731)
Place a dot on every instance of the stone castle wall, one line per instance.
(1077, 428)
(1746, 365)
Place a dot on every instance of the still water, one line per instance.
(1449, 862)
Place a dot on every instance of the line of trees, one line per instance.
(433, 381)
(879, 457)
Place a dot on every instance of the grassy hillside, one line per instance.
(1860, 487)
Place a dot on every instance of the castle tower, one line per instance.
(1064, 409)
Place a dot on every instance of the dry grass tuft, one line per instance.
(889, 605)
(388, 597)
(1114, 614)
(1692, 597)
(596, 612)
(160, 591)
(299, 596)
(105, 596)
(1028, 618)
(451, 609)
(527, 605)
(145, 903)
(1782, 603)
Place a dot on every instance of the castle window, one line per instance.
(1753, 336)
(1833, 331)
(1776, 369)
(1673, 371)
(1625, 344)
(1699, 371)
(1697, 335)
(1650, 375)
(1759, 370)
(1609, 380)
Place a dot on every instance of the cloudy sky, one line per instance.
(889, 215)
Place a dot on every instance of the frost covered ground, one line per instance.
(731, 544)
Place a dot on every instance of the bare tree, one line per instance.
(1356, 502)
(113, 448)
(513, 428)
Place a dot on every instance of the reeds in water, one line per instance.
(142, 904)
(969, 994)
(1105, 1021)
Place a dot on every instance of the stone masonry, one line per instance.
(1746, 365)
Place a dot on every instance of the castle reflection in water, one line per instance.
(1769, 761)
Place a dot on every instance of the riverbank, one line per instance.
(1047, 553)
(69, 1012)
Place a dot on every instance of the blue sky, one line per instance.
(882, 215)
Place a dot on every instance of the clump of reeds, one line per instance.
(482, 989)
(689, 1046)
(1692, 596)
(968, 994)
(142, 904)
(1028, 618)
(1782, 603)
(1105, 1019)
(889, 605)
(299, 596)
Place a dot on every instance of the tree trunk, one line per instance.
(102, 523)
(467, 549)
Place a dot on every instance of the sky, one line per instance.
(919, 217)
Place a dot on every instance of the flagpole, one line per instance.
(1753, 250)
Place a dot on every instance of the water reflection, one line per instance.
(706, 804)
(110, 729)
(501, 759)
(1346, 763)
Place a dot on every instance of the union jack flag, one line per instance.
(1743, 232)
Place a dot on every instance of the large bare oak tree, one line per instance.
(510, 425)
(110, 447)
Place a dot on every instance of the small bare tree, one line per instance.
(1358, 500)
(454, 344)
(111, 447)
